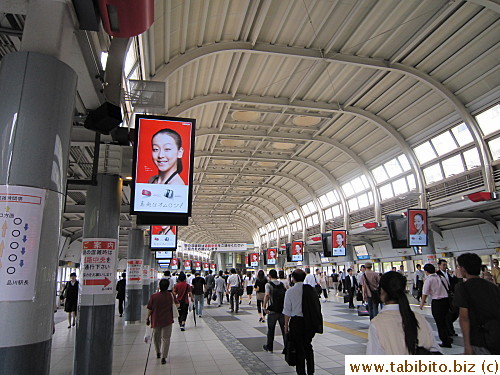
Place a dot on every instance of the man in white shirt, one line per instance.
(418, 279)
(294, 323)
(310, 279)
(233, 285)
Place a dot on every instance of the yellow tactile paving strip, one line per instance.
(345, 329)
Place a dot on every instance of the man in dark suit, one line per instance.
(452, 281)
(351, 285)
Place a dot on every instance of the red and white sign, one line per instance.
(206, 266)
(134, 271)
(271, 256)
(254, 259)
(213, 266)
(98, 265)
(174, 264)
(187, 265)
(197, 266)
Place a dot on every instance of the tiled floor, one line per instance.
(228, 344)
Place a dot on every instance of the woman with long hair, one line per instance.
(167, 152)
(397, 329)
(260, 291)
(182, 292)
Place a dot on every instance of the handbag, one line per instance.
(363, 310)
(290, 351)
(147, 335)
(214, 297)
(346, 298)
(175, 311)
(359, 296)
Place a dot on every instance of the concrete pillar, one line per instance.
(37, 95)
(96, 314)
(152, 275)
(234, 260)
(134, 276)
(146, 268)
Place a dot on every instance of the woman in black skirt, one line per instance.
(70, 294)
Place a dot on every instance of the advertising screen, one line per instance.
(361, 252)
(187, 265)
(163, 261)
(339, 243)
(174, 264)
(272, 254)
(297, 251)
(197, 266)
(163, 165)
(213, 266)
(254, 260)
(417, 227)
(164, 254)
(206, 266)
(163, 237)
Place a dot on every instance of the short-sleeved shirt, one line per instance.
(269, 290)
(234, 280)
(434, 286)
(261, 284)
(198, 283)
(293, 300)
(182, 290)
(161, 306)
(482, 299)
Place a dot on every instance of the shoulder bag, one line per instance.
(375, 293)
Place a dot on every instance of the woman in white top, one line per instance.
(397, 330)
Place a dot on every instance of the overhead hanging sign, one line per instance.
(339, 243)
(168, 254)
(163, 237)
(254, 260)
(417, 227)
(206, 266)
(187, 265)
(271, 256)
(98, 265)
(213, 266)
(163, 165)
(297, 251)
(197, 266)
(174, 264)
(216, 247)
(21, 213)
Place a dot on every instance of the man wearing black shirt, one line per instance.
(198, 284)
(120, 295)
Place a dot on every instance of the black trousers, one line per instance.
(209, 295)
(351, 297)
(440, 310)
(120, 305)
(301, 340)
(420, 286)
(234, 298)
(183, 311)
(272, 318)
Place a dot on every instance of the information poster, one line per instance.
(134, 271)
(21, 213)
(167, 254)
(271, 256)
(417, 227)
(297, 251)
(98, 266)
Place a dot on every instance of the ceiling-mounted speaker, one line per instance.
(104, 119)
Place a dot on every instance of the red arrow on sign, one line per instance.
(103, 282)
(135, 278)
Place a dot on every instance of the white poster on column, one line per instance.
(134, 271)
(98, 265)
(21, 213)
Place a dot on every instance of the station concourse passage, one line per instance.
(323, 134)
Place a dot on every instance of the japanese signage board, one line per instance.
(417, 227)
(21, 213)
(163, 165)
(213, 266)
(134, 271)
(163, 237)
(98, 265)
(339, 243)
(232, 247)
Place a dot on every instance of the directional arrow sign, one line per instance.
(23, 251)
(4, 228)
(26, 226)
(25, 239)
(104, 282)
(21, 263)
(2, 245)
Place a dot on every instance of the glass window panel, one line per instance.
(285, 231)
(363, 200)
(400, 186)
(380, 174)
(462, 134)
(357, 185)
(312, 207)
(293, 215)
(305, 209)
(348, 190)
(495, 148)
(489, 121)
(299, 225)
(471, 158)
(453, 165)
(403, 161)
(411, 182)
(328, 214)
(353, 204)
(130, 59)
(386, 192)
(443, 143)
(364, 180)
(309, 221)
(393, 168)
(336, 211)
(315, 219)
(433, 174)
(370, 197)
(323, 200)
(425, 152)
(294, 227)
(332, 197)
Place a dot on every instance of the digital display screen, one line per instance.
(417, 227)
(168, 254)
(297, 251)
(271, 256)
(361, 252)
(254, 260)
(163, 237)
(339, 243)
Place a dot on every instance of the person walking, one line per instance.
(160, 316)
(495, 271)
(220, 287)
(436, 287)
(418, 279)
(284, 279)
(478, 301)
(351, 285)
(452, 281)
(274, 301)
(233, 287)
(248, 281)
(322, 284)
(369, 284)
(70, 294)
(260, 292)
(183, 294)
(210, 284)
(171, 280)
(199, 288)
(120, 295)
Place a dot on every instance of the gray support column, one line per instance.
(146, 269)
(96, 314)
(134, 280)
(37, 95)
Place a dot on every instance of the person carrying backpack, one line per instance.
(274, 300)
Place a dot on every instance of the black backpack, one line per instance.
(278, 297)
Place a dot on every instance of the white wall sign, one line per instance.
(21, 213)
(134, 271)
(98, 265)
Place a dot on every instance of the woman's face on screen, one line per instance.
(165, 152)
(418, 222)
